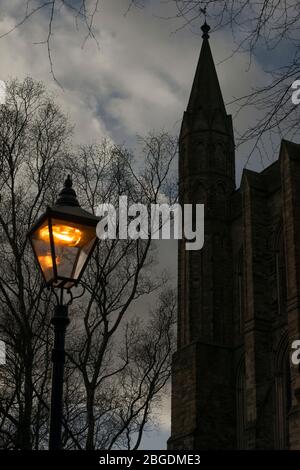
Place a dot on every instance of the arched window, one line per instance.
(200, 149)
(220, 199)
(283, 395)
(218, 297)
(220, 157)
(198, 195)
(280, 270)
(240, 293)
(199, 192)
(240, 405)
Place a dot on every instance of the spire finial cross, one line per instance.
(205, 27)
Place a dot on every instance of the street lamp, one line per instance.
(62, 239)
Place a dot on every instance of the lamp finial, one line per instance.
(67, 196)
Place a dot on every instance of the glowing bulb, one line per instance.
(45, 261)
(64, 234)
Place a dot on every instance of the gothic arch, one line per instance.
(239, 291)
(240, 403)
(282, 393)
(199, 191)
(280, 270)
(198, 148)
(220, 200)
(217, 120)
(200, 119)
(220, 157)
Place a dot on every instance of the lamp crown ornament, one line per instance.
(67, 196)
(205, 29)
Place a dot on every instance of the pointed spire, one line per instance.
(206, 92)
(67, 196)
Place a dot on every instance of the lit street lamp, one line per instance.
(63, 240)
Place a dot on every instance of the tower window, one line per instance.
(280, 269)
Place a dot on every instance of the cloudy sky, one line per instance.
(137, 80)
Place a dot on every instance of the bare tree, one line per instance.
(121, 272)
(114, 412)
(33, 137)
(83, 13)
(112, 384)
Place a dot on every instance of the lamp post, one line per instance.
(62, 239)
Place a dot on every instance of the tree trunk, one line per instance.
(90, 419)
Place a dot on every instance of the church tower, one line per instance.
(234, 385)
(203, 416)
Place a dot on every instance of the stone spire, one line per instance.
(206, 93)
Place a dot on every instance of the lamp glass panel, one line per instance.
(84, 253)
(72, 245)
(42, 249)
